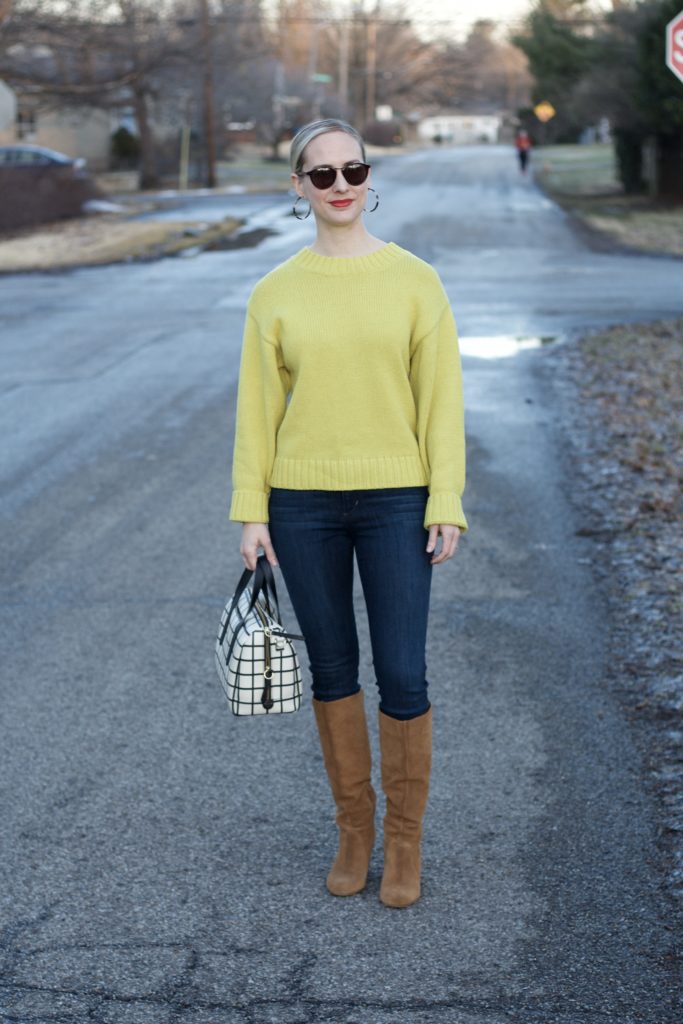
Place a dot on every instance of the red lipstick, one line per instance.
(341, 203)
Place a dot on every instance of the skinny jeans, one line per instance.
(314, 535)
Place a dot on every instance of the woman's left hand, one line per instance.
(450, 535)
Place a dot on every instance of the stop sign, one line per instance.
(674, 45)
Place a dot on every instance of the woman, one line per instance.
(350, 437)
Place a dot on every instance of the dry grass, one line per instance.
(634, 375)
(620, 392)
(583, 179)
(651, 231)
(101, 239)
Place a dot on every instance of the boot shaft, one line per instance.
(406, 748)
(345, 744)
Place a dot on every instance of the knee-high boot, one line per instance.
(345, 745)
(406, 748)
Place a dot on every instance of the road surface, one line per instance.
(164, 862)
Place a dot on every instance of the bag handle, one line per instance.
(239, 590)
(263, 580)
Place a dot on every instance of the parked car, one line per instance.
(39, 185)
(27, 155)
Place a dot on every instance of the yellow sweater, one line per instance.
(350, 378)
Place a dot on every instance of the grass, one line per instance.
(250, 170)
(583, 179)
(102, 239)
(578, 170)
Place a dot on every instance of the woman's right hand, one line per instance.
(254, 536)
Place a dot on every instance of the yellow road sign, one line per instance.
(544, 111)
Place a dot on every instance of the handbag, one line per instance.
(256, 661)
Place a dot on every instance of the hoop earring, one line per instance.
(372, 208)
(294, 211)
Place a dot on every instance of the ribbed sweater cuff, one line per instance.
(445, 508)
(249, 507)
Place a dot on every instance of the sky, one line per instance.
(460, 14)
(455, 17)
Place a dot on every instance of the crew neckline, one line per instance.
(376, 260)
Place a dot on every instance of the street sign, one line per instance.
(544, 111)
(674, 45)
(318, 76)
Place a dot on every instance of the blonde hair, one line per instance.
(311, 131)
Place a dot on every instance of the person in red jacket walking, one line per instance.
(523, 146)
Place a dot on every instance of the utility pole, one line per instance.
(371, 65)
(278, 108)
(344, 40)
(208, 95)
(282, 60)
(313, 68)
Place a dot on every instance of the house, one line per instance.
(460, 128)
(8, 114)
(76, 131)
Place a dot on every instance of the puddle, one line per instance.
(499, 346)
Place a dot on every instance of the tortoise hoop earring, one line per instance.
(372, 208)
(294, 210)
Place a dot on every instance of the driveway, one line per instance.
(164, 862)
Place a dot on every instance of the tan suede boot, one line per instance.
(406, 748)
(345, 744)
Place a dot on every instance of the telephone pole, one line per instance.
(371, 65)
(208, 95)
(344, 40)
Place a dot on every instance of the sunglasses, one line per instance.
(324, 177)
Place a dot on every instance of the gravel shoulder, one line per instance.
(620, 398)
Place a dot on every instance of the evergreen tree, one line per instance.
(559, 53)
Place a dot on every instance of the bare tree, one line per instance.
(5, 8)
(132, 54)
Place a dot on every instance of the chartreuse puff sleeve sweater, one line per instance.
(350, 378)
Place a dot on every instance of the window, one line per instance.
(26, 124)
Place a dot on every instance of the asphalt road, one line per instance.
(164, 862)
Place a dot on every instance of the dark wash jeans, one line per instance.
(314, 534)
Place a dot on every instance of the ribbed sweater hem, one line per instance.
(443, 507)
(348, 474)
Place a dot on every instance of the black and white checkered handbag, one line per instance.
(257, 662)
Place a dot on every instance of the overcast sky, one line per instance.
(459, 14)
(438, 16)
(448, 17)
